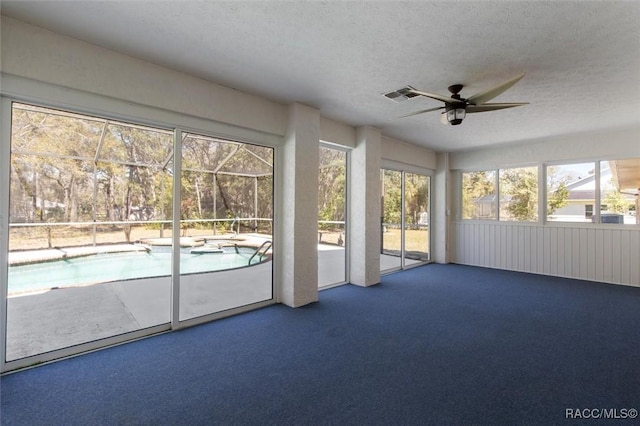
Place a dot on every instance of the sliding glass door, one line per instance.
(405, 239)
(225, 225)
(416, 219)
(391, 238)
(332, 213)
(85, 194)
(113, 236)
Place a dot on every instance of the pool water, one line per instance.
(101, 268)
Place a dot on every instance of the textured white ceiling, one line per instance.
(582, 58)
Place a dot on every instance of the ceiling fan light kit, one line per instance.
(455, 114)
(456, 107)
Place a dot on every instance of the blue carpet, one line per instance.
(439, 344)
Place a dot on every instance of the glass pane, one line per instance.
(246, 162)
(416, 218)
(390, 257)
(203, 153)
(519, 194)
(225, 226)
(479, 198)
(619, 187)
(132, 193)
(135, 145)
(81, 266)
(571, 192)
(39, 130)
(332, 183)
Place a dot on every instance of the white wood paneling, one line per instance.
(595, 253)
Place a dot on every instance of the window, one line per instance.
(591, 192)
(226, 218)
(575, 190)
(518, 189)
(85, 194)
(588, 212)
(479, 195)
(514, 199)
(619, 187)
(332, 209)
(93, 250)
(571, 192)
(405, 239)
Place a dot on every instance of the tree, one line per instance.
(392, 197)
(416, 188)
(475, 187)
(71, 167)
(557, 191)
(519, 194)
(50, 150)
(331, 186)
(557, 198)
(615, 202)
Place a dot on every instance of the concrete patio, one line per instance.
(52, 319)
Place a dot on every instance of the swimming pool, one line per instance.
(106, 267)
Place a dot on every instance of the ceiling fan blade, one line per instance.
(421, 112)
(487, 95)
(435, 96)
(492, 107)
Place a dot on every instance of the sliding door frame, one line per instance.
(404, 169)
(5, 174)
(347, 200)
(22, 90)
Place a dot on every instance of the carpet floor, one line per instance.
(438, 344)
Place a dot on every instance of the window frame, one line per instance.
(25, 91)
(495, 203)
(543, 194)
(347, 200)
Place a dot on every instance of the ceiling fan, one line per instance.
(455, 106)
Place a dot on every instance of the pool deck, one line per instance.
(59, 253)
(56, 318)
(25, 257)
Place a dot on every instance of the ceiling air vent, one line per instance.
(401, 95)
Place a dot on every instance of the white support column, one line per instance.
(364, 208)
(298, 242)
(441, 208)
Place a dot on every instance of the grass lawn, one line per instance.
(415, 240)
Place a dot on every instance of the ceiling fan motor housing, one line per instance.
(455, 88)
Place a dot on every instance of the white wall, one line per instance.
(34, 53)
(364, 208)
(613, 144)
(42, 55)
(337, 132)
(598, 252)
(589, 253)
(405, 154)
(441, 210)
(298, 260)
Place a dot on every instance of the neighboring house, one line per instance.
(582, 199)
(581, 203)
